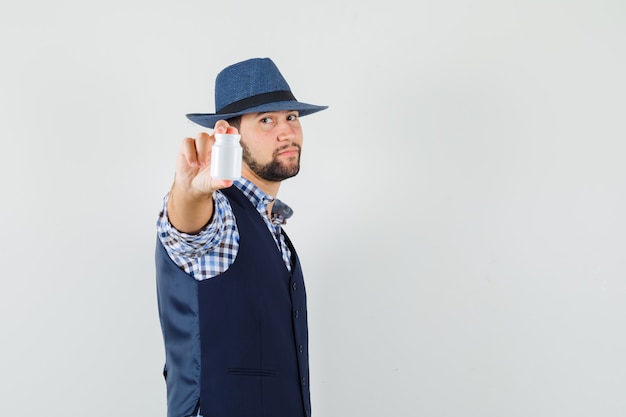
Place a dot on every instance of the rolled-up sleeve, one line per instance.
(185, 245)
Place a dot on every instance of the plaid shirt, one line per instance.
(213, 250)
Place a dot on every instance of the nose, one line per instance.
(285, 131)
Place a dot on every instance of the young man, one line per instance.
(231, 295)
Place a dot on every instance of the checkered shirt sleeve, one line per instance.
(207, 253)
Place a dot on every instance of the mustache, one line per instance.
(286, 146)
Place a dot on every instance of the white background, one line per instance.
(459, 214)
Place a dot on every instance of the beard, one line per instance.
(275, 170)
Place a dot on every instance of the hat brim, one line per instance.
(209, 119)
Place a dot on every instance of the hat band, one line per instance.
(256, 100)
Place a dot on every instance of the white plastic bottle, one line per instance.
(226, 157)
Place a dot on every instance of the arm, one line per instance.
(190, 205)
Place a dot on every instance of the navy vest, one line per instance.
(236, 344)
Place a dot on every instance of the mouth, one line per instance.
(289, 151)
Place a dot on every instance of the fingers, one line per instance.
(197, 152)
(222, 126)
(193, 176)
(204, 143)
(188, 151)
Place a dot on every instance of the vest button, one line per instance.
(296, 313)
(294, 286)
(301, 349)
(303, 381)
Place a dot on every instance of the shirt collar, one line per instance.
(259, 199)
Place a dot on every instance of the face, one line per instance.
(271, 144)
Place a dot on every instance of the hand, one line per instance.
(193, 163)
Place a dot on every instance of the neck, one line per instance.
(268, 187)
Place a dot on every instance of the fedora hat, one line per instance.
(251, 86)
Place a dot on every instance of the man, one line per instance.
(230, 289)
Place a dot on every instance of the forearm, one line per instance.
(189, 211)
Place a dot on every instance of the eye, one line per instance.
(266, 120)
(293, 116)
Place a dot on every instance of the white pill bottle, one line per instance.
(226, 157)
